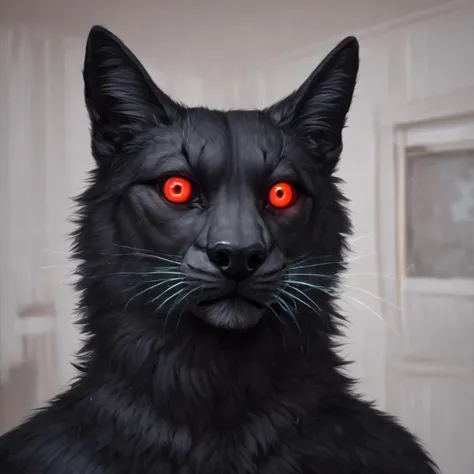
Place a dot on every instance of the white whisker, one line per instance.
(333, 275)
(371, 294)
(346, 260)
(370, 274)
(47, 267)
(57, 252)
(373, 312)
(355, 239)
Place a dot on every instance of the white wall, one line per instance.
(30, 141)
(211, 35)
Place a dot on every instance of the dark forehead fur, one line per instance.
(222, 145)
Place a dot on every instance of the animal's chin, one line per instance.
(231, 312)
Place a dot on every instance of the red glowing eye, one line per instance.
(177, 190)
(281, 195)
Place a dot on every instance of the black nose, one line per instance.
(236, 263)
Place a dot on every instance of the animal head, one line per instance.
(227, 216)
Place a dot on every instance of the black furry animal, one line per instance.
(210, 245)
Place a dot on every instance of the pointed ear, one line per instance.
(120, 95)
(317, 110)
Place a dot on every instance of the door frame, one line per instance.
(392, 121)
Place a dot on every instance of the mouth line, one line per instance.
(231, 296)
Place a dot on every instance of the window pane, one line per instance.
(440, 215)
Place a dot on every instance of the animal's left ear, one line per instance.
(317, 110)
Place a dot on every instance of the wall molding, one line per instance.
(369, 33)
(439, 287)
(422, 369)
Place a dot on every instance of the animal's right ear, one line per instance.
(120, 95)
